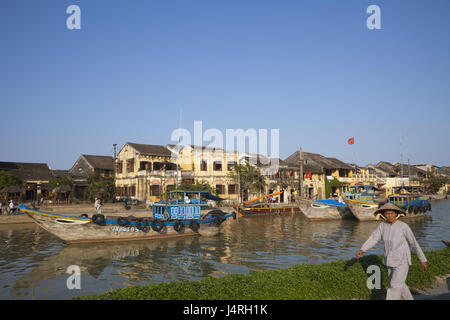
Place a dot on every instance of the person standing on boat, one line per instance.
(397, 254)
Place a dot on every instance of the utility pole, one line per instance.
(300, 157)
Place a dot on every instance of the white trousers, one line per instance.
(398, 289)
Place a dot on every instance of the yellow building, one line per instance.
(322, 168)
(208, 165)
(143, 171)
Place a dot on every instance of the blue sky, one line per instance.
(309, 68)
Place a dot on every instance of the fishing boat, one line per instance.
(172, 218)
(413, 205)
(252, 209)
(324, 209)
(361, 193)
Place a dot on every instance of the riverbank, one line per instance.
(339, 280)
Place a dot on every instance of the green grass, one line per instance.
(343, 279)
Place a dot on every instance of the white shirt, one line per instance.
(397, 238)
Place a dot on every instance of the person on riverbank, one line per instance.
(397, 254)
(98, 205)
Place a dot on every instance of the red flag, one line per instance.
(351, 141)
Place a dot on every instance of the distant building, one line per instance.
(325, 168)
(89, 167)
(35, 178)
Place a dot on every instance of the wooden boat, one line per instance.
(324, 209)
(265, 208)
(169, 220)
(413, 205)
(249, 209)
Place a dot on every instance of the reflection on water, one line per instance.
(33, 263)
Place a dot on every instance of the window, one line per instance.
(155, 190)
(232, 189)
(217, 166)
(130, 165)
(144, 165)
(203, 166)
(230, 166)
(119, 167)
(220, 188)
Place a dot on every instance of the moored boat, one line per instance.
(173, 218)
(265, 208)
(324, 209)
(413, 205)
(249, 209)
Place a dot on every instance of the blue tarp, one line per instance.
(209, 196)
(333, 203)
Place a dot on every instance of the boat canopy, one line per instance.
(209, 196)
(204, 194)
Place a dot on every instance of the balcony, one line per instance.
(345, 179)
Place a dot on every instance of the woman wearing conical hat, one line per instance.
(397, 236)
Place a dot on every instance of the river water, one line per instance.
(33, 262)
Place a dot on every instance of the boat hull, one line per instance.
(365, 211)
(314, 211)
(254, 211)
(78, 230)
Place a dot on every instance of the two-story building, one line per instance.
(208, 165)
(144, 171)
(87, 168)
(319, 168)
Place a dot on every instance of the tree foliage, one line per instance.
(104, 189)
(249, 178)
(193, 187)
(56, 182)
(329, 184)
(7, 180)
(434, 183)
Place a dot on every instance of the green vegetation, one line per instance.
(249, 177)
(104, 189)
(192, 187)
(329, 184)
(8, 180)
(344, 279)
(434, 183)
(56, 182)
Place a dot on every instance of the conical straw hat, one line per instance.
(389, 207)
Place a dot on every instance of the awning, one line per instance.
(12, 189)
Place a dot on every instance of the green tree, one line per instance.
(104, 189)
(193, 187)
(56, 182)
(329, 184)
(249, 178)
(434, 183)
(7, 180)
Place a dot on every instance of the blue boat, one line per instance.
(361, 193)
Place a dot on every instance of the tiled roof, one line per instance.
(28, 171)
(100, 162)
(151, 150)
(319, 160)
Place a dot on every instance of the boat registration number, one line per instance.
(125, 229)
